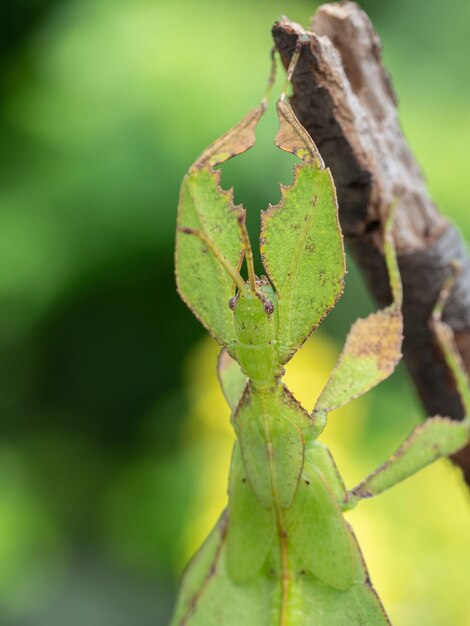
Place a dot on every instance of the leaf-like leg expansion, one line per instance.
(205, 209)
(301, 242)
(437, 437)
(251, 527)
(372, 348)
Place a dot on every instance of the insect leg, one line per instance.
(436, 438)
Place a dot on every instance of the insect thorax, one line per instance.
(255, 318)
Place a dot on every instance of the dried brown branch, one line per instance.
(344, 98)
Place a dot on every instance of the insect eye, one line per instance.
(269, 307)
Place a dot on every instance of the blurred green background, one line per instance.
(114, 438)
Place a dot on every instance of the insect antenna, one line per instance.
(241, 219)
(228, 267)
(271, 78)
(292, 65)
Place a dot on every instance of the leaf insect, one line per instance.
(282, 553)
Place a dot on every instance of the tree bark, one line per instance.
(344, 98)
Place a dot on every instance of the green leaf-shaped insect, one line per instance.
(282, 553)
